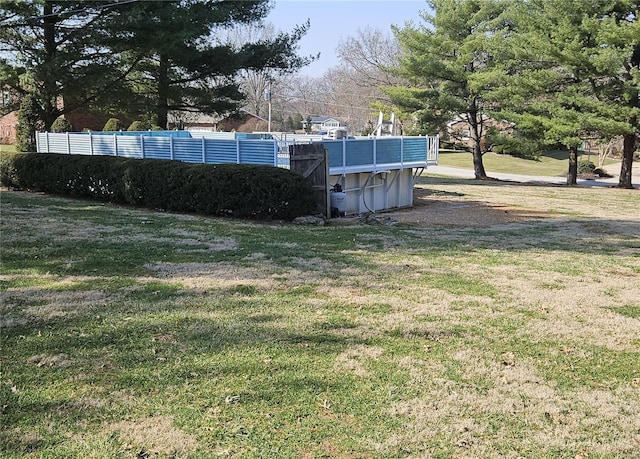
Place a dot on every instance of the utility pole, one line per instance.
(267, 97)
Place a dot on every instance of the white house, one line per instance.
(325, 123)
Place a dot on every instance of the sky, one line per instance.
(333, 20)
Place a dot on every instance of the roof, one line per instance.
(201, 118)
(322, 119)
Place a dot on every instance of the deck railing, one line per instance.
(345, 156)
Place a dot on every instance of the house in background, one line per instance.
(91, 121)
(8, 119)
(459, 130)
(8, 125)
(242, 121)
(323, 124)
(81, 120)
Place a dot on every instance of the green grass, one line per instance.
(127, 333)
(628, 310)
(7, 148)
(551, 163)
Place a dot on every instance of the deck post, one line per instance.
(275, 153)
(375, 153)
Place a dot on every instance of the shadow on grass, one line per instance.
(142, 347)
(157, 350)
(562, 155)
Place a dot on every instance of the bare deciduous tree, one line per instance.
(371, 54)
(349, 91)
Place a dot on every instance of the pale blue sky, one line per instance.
(332, 20)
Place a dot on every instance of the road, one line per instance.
(468, 173)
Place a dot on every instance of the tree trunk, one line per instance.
(629, 144)
(475, 123)
(162, 109)
(478, 165)
(50, 91)
(572, 175)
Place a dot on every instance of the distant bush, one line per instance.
(451, 145)
(243, 191)
(586, 167)
(515, 145)
(113, 124)
(8, 174)
(28, 123)
(601, 173)
(139, 126)
(61, 124)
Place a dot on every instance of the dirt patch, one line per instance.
(354, 360)
(155, 435)
(463, 416)
(29, 305)
(45, 360)
(443, 208)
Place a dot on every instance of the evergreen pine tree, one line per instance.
(28, 124)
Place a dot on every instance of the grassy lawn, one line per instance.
(7, 148)
(131, 334)
(552, 163)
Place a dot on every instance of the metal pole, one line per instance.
(267, 97)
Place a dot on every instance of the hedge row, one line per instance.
(243, 191)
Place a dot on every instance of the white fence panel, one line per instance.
(213, 135)
(128, 147)
(433, 151)
(57, 143)
(345, 156)
(187, 150)
(258, 152)
(221, 151)
(156, 148)
(103, 145)
(79, 144)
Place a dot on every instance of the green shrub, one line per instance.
(139, 126)
(516, 145)
(601, 173)
(28, 123)
(452, 145)
(61, 124)
(113, 124)
(8, 175)
(586, 167)
(243, 191)
(53, 173)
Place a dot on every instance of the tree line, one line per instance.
(136, 57)
(557, 71)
